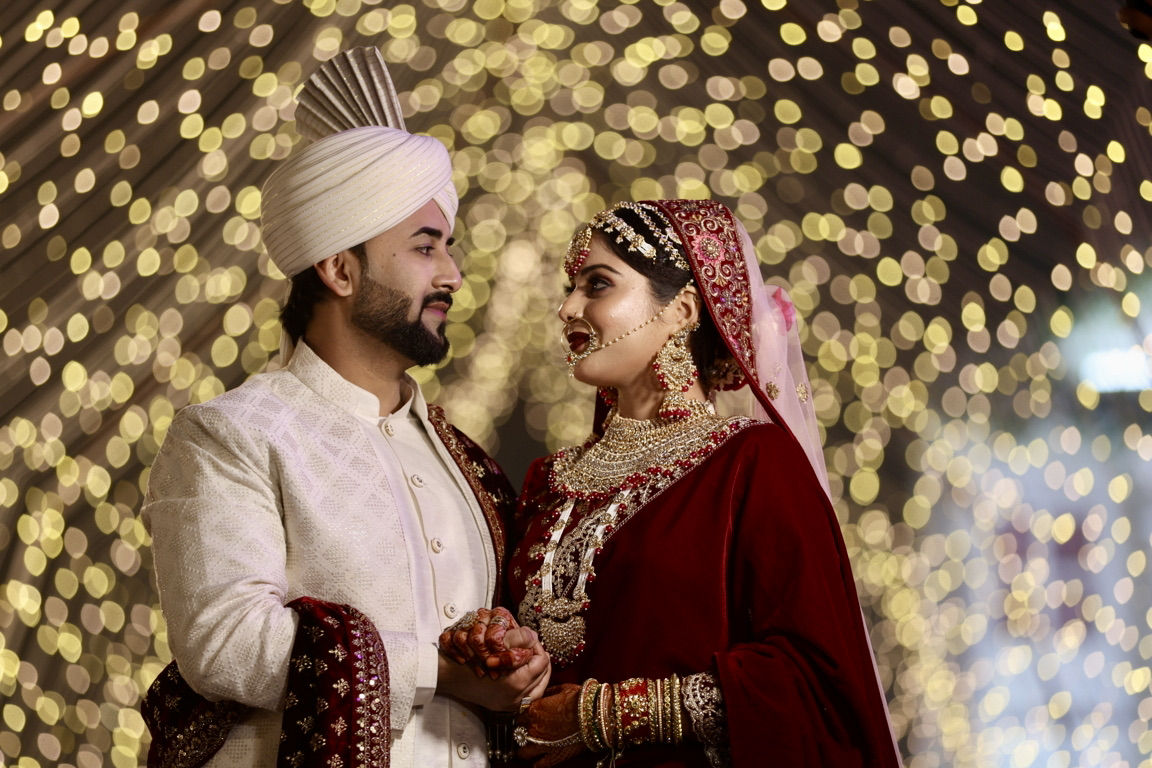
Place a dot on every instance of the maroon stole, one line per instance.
(186, 728)
(336, 710)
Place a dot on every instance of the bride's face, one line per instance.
(612, 299)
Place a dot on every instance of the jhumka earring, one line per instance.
(675, 371)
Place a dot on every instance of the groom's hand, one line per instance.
(490, 642)
(508, 689)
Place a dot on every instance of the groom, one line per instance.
(317, 528)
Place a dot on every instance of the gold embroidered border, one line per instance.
(489, 484)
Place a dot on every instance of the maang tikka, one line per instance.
(676, 371)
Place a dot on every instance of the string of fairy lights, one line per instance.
(955, 193)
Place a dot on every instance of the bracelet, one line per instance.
(666, 685)
(674, 708)
(656, 709)
(603, 715)
(523, 739)
(618, 741)
(633, 712)
(586, 707)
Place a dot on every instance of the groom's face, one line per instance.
(406, 286)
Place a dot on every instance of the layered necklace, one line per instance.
(632, 463)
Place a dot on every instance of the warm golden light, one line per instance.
(955, 193)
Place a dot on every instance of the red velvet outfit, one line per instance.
(739, 569)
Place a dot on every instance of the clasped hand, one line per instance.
(488, 659)
(492, 645)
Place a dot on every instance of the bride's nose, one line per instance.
(568, 309)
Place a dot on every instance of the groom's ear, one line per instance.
(340, 272)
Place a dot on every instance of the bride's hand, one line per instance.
(489, 641)
(552, 719)
(504, 693)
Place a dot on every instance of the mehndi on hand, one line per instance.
(549, 728)
(478, 640)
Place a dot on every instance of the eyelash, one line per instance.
(591, 285)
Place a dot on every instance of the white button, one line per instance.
(462, 751)
(388, 429)
(417, 481)
(437, 545)
(450, 610)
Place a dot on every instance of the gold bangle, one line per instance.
(665, 712)
(655, 711)
(523, 739)
(604, 714)
(587, 712)
(677, 713)
(666, 704)
(634, 711)
(617, 710)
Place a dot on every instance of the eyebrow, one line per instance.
(592, 267)
(433, 232)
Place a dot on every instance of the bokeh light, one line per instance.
(955, 192)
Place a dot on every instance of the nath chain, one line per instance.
(594, 338)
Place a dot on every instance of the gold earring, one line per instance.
(676, 371)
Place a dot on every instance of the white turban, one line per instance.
(346, 188)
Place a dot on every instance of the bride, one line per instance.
(683, 568)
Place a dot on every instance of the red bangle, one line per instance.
(634, 712)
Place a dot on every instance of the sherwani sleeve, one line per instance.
(219, 558)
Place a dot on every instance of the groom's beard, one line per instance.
(382, 312)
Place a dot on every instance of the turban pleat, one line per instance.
(345, 188)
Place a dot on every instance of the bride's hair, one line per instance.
(665, 280)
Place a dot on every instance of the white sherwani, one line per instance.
(292, 485)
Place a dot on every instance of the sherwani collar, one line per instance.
(323, 379)
(485, 489)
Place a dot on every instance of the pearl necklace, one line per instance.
(628, 466)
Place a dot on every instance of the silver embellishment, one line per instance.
(705, 704)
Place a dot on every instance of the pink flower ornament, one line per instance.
(786, 307)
